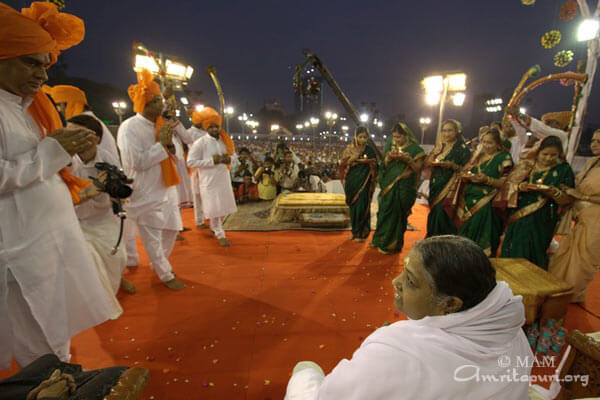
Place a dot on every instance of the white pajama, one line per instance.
(152, 207)
(216, 225)
(159, 244)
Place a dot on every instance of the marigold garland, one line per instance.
(551, 39)
(528, 2)
(563, 58)
(568, 11)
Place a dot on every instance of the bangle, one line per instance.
(557, 193)
(489, 181)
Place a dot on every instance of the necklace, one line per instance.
(536, 170)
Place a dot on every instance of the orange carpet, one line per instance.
(250, 312)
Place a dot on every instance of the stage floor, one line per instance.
(250, 312)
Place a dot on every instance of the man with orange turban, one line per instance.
(49, 284)
(552, 124)
(210, 156)
(71, 101)
(148, 156)
(196, 131)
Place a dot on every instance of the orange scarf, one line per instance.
(167, 166)
(46, 117)
(141, 94)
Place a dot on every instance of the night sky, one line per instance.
(377, 50)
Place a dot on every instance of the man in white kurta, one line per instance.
(49, 286)
(196, 132)
(521, 123)
(101, 227)
(153, 203)
(208, 155)
(72, 101)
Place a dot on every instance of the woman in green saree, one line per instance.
(358, 170)
(445, 160)
(533, 197)
(472, 201)
(403, 160)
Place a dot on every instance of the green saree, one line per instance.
(532, 224)
(398, 184)
(479, 221)
(442, 179)
(358, 186)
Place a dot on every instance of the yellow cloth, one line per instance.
(38, 29)
(578, 256)
(72, 96)
(141, 94)
(266, 189)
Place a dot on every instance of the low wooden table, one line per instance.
(289, 207)
(544, 295)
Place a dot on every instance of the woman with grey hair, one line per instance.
(463, 337)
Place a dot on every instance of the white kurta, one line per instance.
(539, 130)
(195, 134)
(184, 189)
(108, 141)
(433, 358)
(214, 182)
(101, 229)
(152, 203)
(41, 242)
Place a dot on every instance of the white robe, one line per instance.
(101, 227)
(152, 203)
(539, 130)
(195, 134)
(419, 359)
(214, 181)
(108, 142)
(41, 242)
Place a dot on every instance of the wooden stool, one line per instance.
(544, 295)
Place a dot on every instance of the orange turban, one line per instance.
(42, 29)
(74, 97)
(209, 116)
(562, 117)
(145, 90)
(38, 29)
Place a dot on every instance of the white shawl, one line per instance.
(433, 358)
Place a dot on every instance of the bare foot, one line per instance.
(360, 240)
(224, 242)
(185, 229)
(202, 226)
(127, 286)
(179, 238)
(174, 284)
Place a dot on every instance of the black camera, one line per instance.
(116, 183)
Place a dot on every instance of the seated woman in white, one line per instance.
(463, 338)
